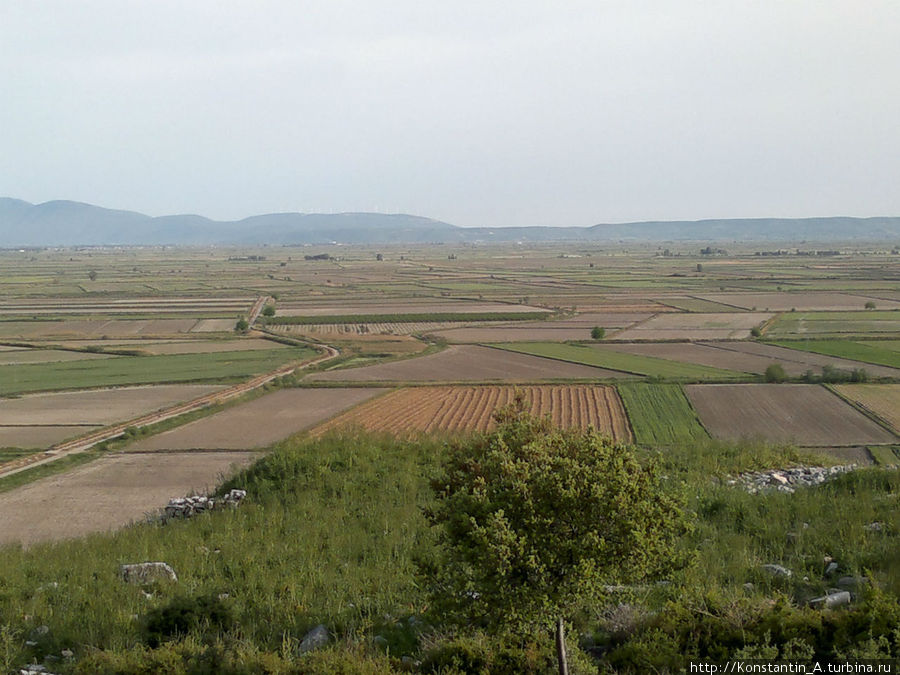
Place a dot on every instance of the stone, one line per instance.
(874, 527)
(832, 568)
(147, 573)
(849, 583)
(748, 587)
(831, 600)
(67, 654)
(777, 570)
(316, 638)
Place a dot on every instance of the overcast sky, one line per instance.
(477, 113)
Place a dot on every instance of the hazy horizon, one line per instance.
(485, 114)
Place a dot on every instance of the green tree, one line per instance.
(597, 333)
(533, 521)
(870, 304)
(775, 373)
(268, 310)
(241, 326)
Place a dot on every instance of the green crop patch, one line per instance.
(660, 414)
(867, 352)
(123, 370)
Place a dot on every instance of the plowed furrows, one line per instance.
(542, 396)
(453, 418)
(568, 401)
(447, 405)
(583, 417)
(473, 409)
(595, 398)
(492, 402)
(410, 411)
(556, 406)
(618, 422)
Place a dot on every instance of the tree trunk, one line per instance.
(561, 647)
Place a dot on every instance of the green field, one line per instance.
(628, 363)
(882, 354)
(660, 414)
(823, 324)
(125, 370)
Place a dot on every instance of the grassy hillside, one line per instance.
(331, 529)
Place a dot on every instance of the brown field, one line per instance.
(881, 399)
(431, 305)
(16, 436)
(108, 493)
(114, 328)
(512, 334)
(97, 406)
(388, 328)
(468, 363)
(808, 415)
(258, 423)
(807, 301)
(797, 362)
(210, 346)
(469, 409)
(45, 356)
(213, 326)
(681, 326)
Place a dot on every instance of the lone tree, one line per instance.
(533, 521)
(268, 310)
(775, 373)
(597, 333)
(241, 326)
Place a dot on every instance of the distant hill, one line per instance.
(66, 223)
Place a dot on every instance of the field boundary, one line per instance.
(865, 410)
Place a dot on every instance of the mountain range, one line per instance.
(68, 223)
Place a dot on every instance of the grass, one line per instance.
(884, 455)
(660, 414)
(867, 352)
(124, 370)
(57, 466)
(822, 324)
(330, 532)
(628, 363)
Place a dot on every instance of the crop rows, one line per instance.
(457, 409)
(407, 318)
(392, 328)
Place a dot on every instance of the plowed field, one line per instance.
(470, 409)
(808, 415)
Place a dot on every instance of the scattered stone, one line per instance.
(749, 587)
(187, 507)
(834, 598)
(851, 583)
(777, 570)
(832, 568)
(224, 596)
(67, 654)
(147, 572)
(877, 526)
(788, 480)
(50, 585)
(34, 669)
(38, 632)
(380, 640)
(314, 639)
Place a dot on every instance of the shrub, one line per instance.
(598, 333)
(184, 615)
(775, 373)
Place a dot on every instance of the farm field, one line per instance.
(467, 363)
(96, 406)
(682, 326)
(39, 437)
(210, 346)
(108, 493)
(870, 323)
(700, 353)
(550, 333)
(881, 399)
(801, 301)
(866, 352)
(464, 409)
(807, 415)
(112, 328)
(604, 356)
(660, 414)
(45, 356)
(422, 307)
(259, 422)
(125, 370)
(796, 361)
(389, 327)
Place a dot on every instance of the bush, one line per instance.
(775, 373)
(598, 333)
(755, 331)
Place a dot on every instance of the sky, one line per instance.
(482, 113)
